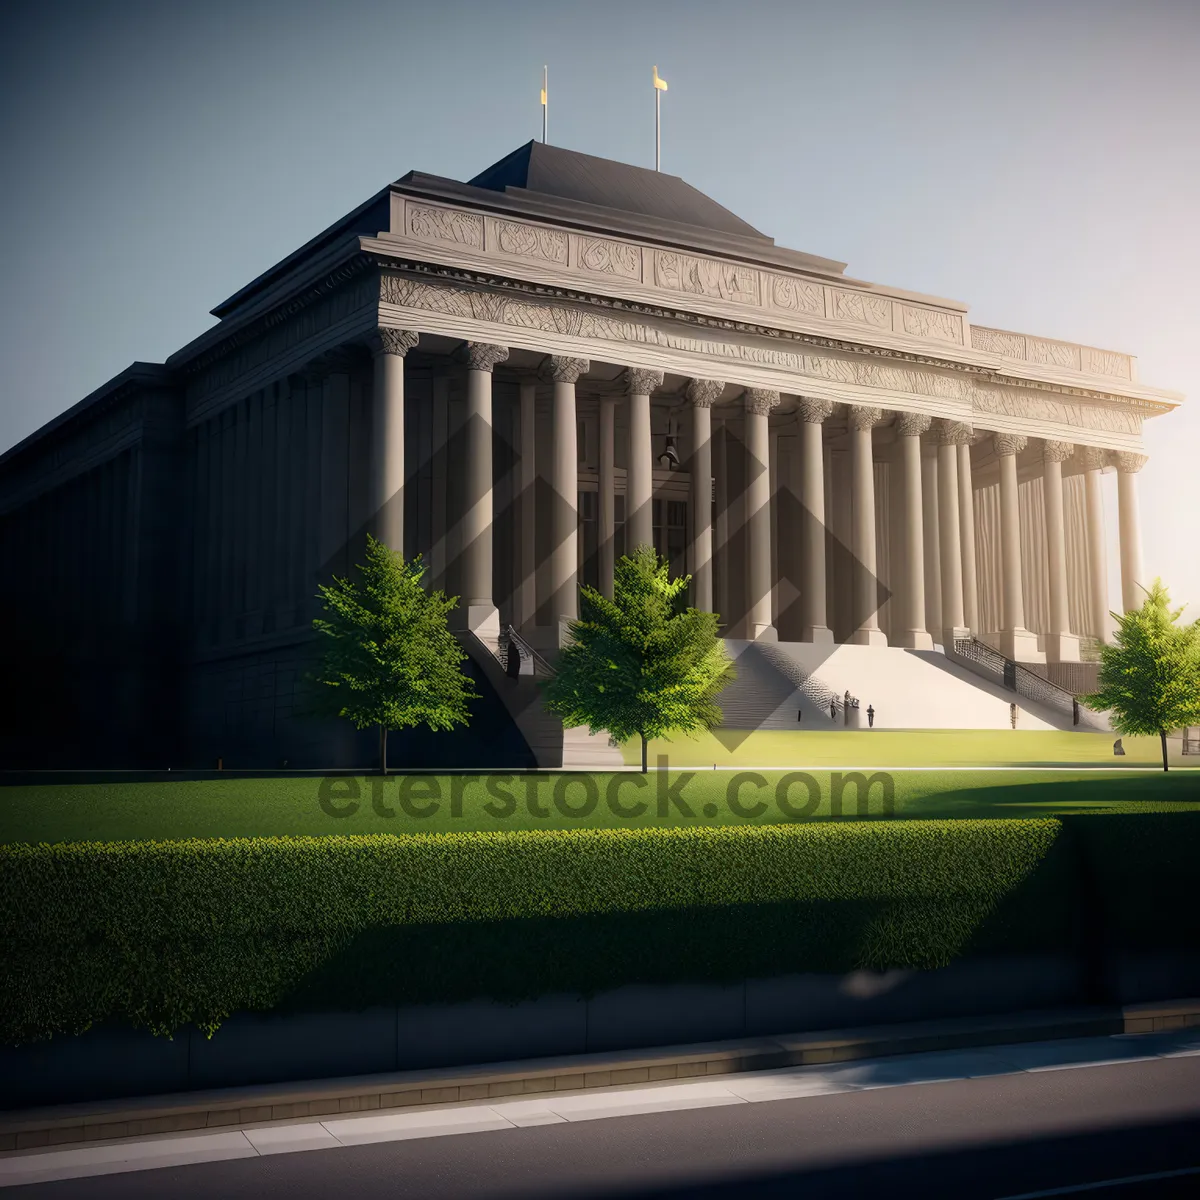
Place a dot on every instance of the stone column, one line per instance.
(1016, 642)
(1094, 460)
(386, 469)
(721, 525)
(607, 500)
(703, 394)
(1133, 576)
(810, 415)
(865, 590)
(564, 482)
(440, 438)
(909, 428)
(966, 529)
(639, 471)
(933, 549)
(475, 605)
(950, 435)
(527, 508)
(758, 403)
(1061, 644)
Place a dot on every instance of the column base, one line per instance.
(819, 635)
(483, 620)
(762, 633)
(914, 639)
(1020, 645)
(957, 633)
(1062, 647)
(868, 637)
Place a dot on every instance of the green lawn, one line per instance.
(910, 748)
(224, 808)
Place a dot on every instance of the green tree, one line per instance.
(388, 656)
(1150, 675)
(640, 663)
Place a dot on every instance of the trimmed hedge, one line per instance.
(170, 933)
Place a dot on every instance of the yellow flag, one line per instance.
(660, 84)
(543, 95)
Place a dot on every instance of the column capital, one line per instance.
(860, 417)
(1009, 443)
(561, 369)
(704, 393)
(1093, 458)
(482, 356)
(1129, 462)
(1057, 451)
(760, 401)
(812, 411)
(910, 424)
(952, 433)
(386, 340)
(641, 381)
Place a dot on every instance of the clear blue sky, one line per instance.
(1039, 161)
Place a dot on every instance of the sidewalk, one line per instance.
(1167, 1032)
(108, 1121)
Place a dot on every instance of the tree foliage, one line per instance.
(1150, 675)
(389, 658)
(641, 663)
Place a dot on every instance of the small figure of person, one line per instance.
(870, 716)
(512, 666)
(1118, 749)
(833, 709)
(1012, 713)
(799, 715)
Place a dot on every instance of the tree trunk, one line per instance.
(643, 737)
(383, 749)
(1163, 736)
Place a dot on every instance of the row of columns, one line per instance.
(952, 493)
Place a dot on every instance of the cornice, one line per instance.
(490, 281)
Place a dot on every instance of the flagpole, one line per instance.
(545, 101)
(660, 85)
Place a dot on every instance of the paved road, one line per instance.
(1005, 1135)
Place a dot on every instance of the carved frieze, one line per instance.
(530, 241)
(861, 308)
(445, 225)
(610, 258)
(931, 323)
(797, 295)
(1053, 354)
(1106, 362)
(984, 398)
(705, 277)
(997, 341)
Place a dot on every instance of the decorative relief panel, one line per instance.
(610, 258)
(931, 323)
(445, 225)
(997, 341)
(796, 295)
(530, 241)
(705, 277)
(1053, 354)
(860, 308)
(1106, 362)
(983, 397)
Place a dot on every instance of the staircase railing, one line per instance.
(984, 660)
(537, 665)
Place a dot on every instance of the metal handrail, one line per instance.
(509, 636)
(986, 660)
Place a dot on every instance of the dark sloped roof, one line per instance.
(569, 175)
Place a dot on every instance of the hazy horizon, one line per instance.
(1036, 161)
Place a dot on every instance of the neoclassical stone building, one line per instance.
(519, 378)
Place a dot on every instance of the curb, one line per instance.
(113, 1119)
